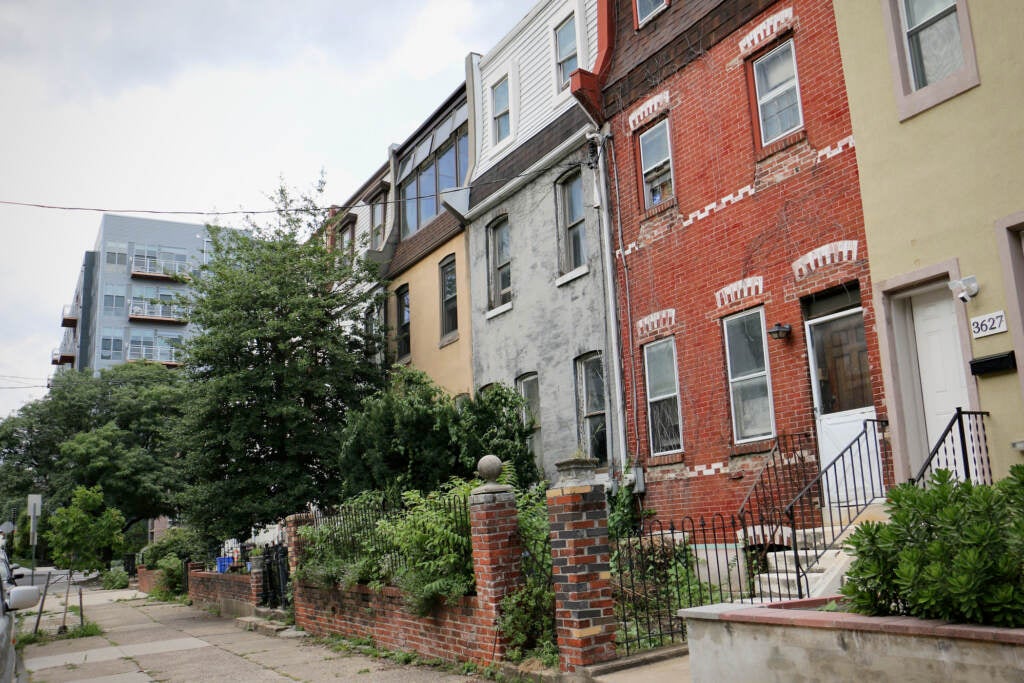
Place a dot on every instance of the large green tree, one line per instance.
(86, 532)
(114, 430)
(288, 344)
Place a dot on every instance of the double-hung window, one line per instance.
(565, 49)
(500, 258)
(449, 298)
(749, 383)
(663, 417)
(117, 254)
(933, 40)
(347, 240)
(591, 406)
(377, 223)
(112, 344)
(402, 337)
(114, 300)
(574, 246)
(529, 389)
(778, 94)
(501, 117)
(656, 164)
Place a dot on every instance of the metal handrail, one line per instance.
(149, 264)
(157, 310)
(956, 421)
(827, 480)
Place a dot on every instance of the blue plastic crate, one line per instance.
(223, 563)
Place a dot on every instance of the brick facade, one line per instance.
(746, 227)
(233, 594)
(148, 578)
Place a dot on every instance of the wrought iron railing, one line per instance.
(826, 507)
(792, 463)
(962, 448)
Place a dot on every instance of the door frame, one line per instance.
(901, 401)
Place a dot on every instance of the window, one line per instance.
(449, 298)
(142, 346)
(570, 192)
(112, 344)
(117, 254)
(656, 164)
(377, 223)
(402, 310)
(932, 52)
(529, 388)
(499, 104)
(645, 9)
(436, 164)
(590, 402)
(778, 94)
(113, 301)
(749, 389)
(346, 243)
(663, 417)
(565, 50)
(501, 263)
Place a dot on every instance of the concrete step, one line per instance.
(267, 627)
(778, 584)
(783, 561)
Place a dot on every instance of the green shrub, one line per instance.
(953, 551)
(182, 542)
(172, 575)
(114, 579)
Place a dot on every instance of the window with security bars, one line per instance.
(663, 418)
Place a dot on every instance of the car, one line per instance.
(12, 598)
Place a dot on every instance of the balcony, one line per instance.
(151, 268)
(69, 316)
(62, 356)
(169, 356)
(157, 312)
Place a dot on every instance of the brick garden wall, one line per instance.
(233, 594)
(148, 578)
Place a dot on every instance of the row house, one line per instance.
(538, 257)
(935, 101)
(742, 276)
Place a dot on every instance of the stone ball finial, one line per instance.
(489, 468)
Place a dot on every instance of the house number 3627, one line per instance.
(990, 323)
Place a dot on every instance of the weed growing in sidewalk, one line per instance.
(87, 630)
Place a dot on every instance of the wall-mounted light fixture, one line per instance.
(965, 289)
(779, 331)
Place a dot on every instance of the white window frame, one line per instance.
(733, 381)
(910, 100)
(453, 333)
(377, 222)
(567, 225)
(653, 12)
(498, 296)
(562, 78)
(651, 399)
(506, 113)
(583, 412)
(111, 334)
(655, 168)
(764, 98)
(529, 412)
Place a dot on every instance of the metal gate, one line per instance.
(275, 577)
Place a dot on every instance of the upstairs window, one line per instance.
(656, 164)
(377, 223)
(590, 403)
(117, 254)
(933, 40)
(778, 94)
(502, 122)
(449, 299)
(114, 300)
(749, 387)
(565, 49)
(437, 164)
(663, 417)
(402, 336)
(529, 388)
(346, 243)
(501, 263)
(570, 191)
(112, 344)
(646, 9)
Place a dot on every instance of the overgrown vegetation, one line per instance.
(86, 532)
(951, 551)
(114, 579)
(86, 630)
(182, 542)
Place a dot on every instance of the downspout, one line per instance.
(611, 309)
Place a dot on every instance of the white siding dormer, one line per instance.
(528, 55)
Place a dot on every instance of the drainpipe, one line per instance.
(611, 310)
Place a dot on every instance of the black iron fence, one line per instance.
(962, 449)
(276, 579)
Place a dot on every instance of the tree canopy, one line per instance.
(86, 532)
(288, 344)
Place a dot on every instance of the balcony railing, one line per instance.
(69, 316)
(148, 266)
(150, 309)
(158, 354)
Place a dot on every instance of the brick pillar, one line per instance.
(497, 547)
(192, 567)
(291, 537)
(584, 609)
(255, 585)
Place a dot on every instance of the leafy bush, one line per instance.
(952, 551)
(114, 579)
(182, 542)
(172, 575)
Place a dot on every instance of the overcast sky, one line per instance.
(196, 105)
